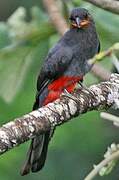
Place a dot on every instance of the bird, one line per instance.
(64, 66)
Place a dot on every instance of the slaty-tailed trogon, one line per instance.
(64, 66)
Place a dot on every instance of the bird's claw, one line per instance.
(67, 94)
(82, 86)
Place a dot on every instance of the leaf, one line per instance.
(19, 42)
(13, 69)
(108, 169)
(4, 36)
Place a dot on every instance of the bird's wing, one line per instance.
(99, 47)
(55, 64)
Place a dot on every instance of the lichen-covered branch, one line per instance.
(109, 5)
(62, 110)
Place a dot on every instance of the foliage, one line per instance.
(20, 41)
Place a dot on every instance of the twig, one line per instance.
(55, 16)
(115, 61)
(110, 117)
(109, 5)
(62, 110)
(106, 53)
(98, 167)
(100, 72)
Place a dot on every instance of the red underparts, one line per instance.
(57, 87)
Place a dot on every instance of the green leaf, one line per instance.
(4, 35)
(19, 43)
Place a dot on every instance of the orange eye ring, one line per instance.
(83, 23)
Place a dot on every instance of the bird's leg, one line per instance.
(69, 95)
(80, 85)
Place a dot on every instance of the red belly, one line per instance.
(57, 87)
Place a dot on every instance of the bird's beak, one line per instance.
(78, 21)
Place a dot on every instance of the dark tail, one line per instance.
(37, 152)
(36, 155)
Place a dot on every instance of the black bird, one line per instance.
(64, 66)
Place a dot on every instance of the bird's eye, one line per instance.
(72, 19)
(86, 16)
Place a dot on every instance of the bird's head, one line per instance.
(80, 18)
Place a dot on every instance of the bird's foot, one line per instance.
(69, 95)
(81, 86)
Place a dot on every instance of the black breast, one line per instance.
(84, 44)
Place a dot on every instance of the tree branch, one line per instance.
(62, 110)
(110, 117)
(102, 164)
(109, 5)
(100, 72)
(55, 16)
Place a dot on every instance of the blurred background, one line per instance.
(26, 34)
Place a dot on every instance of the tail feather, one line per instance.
(27, 165)
(37, 147)
(38, 165)
(36, 155)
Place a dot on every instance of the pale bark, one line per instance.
(109, 5)
(62, 110)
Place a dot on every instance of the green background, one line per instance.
(24, 43)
